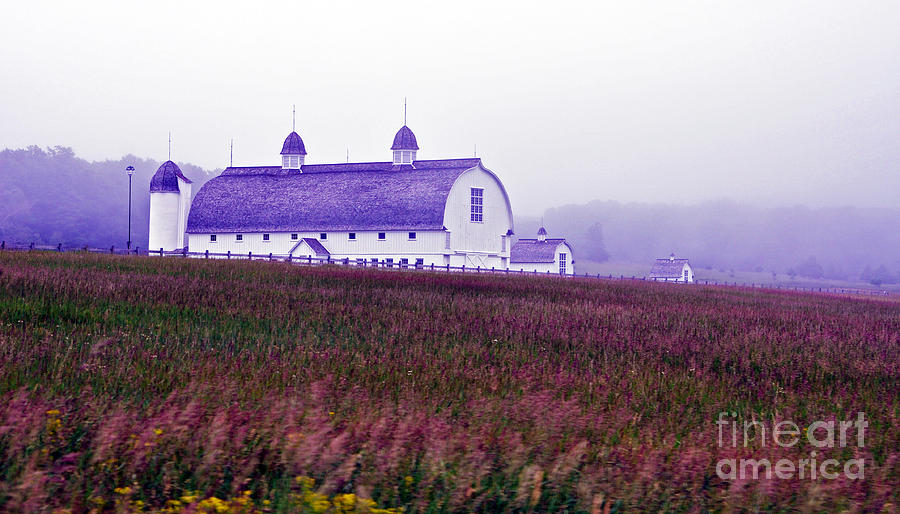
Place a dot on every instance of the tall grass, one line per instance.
(147, 383)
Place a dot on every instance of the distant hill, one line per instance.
(832, 242)
(51, 196)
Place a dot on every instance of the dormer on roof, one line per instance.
(542, 234)
(293, 152)
(404, 147)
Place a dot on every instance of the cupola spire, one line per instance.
(405, 145)
(293, 151)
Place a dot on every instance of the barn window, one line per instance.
(404, 262)
(685, 275)
(212, 238)
(412, 236)
(381, 236)
(239, 237)
(293, 237)
(420, 263)
(323, 236)
(352, 236)
(562, 264)
(265, 237)
(389, 262)
(476, 212)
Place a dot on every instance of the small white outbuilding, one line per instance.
(672, 270)
(542, 255)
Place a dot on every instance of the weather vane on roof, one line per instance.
(170, 145)
(404, 110)
(294, 118)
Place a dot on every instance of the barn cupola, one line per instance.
(293, 152)
(404, 147)
(542, 234)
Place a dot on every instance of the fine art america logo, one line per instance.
(787, 434)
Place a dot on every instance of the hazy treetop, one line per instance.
(773, 102)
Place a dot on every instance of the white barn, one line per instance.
(672, 270)
(542, 255)
(402, 211)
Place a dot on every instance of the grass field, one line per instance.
(132, 383)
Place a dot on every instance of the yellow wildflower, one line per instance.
(122, 490)
(190, 498)
(213, 504)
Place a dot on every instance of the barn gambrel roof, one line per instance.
(532, 250)
(327, 197)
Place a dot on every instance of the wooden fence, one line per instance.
(365, 263)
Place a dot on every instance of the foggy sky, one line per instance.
(680, 102)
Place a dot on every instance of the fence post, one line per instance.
(3, 245)
(310, 258)
(250, 255)
(478, 269)
(31, 246)
(228, 256)
(464, 267)
(270, 256)
(289, 258)
(59, 247)
(207, 253)
(184, 252)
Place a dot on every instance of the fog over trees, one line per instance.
(50, 196)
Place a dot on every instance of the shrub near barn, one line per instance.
(144, 383)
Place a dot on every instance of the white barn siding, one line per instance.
(428, 245)
(482, 243)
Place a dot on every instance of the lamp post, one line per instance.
(130, 171)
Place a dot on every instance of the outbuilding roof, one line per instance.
(404, 139)
(165, 180)
(532, 250)
(314, 245)
(668, 268)
(327, 197)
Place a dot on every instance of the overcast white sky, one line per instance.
(768, 102)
